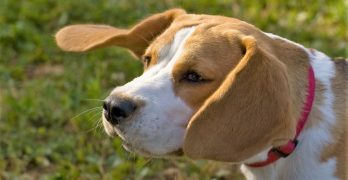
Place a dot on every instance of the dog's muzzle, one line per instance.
(117, 109)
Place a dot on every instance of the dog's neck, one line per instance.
(306, 161)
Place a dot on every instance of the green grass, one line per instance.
(43, 90)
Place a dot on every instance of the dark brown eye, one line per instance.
(193, 77)
(146, 60)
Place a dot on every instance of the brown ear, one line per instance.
(79, 38)
(248, 113)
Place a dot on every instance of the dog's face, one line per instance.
(179, 76)
(207, 88)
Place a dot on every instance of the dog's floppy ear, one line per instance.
(249, 112)
(79, 38)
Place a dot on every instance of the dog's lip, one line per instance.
(178, 152)
(131, 148)
(116, 133)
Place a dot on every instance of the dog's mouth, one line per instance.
(130, 148)
(178, 152)
(137, 149)
(136, 141)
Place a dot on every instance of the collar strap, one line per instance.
(283, 151)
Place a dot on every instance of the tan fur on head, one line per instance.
(221, 129)
(79, 38)
(252, 96)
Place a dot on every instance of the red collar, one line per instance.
(283, 151)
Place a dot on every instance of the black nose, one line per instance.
(117, 109)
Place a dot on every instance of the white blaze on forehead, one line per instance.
(170, 52)
(168, 55)
(159, 126)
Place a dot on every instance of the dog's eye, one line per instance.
(146, 60)
(193, 77)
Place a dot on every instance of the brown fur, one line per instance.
(257, 84)
(253, 122)
(80, 38)
(203, 55)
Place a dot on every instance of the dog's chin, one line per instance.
(139, 151)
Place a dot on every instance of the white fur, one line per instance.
(159, 126)
(304, 163)
(262, 156)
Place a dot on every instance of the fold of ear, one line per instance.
(248, 113)
(80, 38)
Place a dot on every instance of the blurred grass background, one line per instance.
(49, 100)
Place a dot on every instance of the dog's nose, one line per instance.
(117, 109)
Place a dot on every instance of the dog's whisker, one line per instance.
(96, 120)
(88, 99)
(99, 125)
(130, 156)
(94, 129)
(89, 130)
(86, 111)
(147, 162)
(96, 124)
(93, 117)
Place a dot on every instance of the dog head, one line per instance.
(212, 86)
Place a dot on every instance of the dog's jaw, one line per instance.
(158, 127)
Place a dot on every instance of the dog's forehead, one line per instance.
(206, 26)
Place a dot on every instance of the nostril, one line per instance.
(118, 108)
(118, 113)
(105, 105)
(122, 109)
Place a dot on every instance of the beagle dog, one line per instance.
(218, 88)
